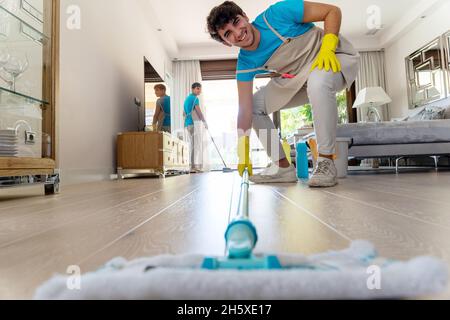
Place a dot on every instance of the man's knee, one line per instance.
(321, 80)
(259, 104)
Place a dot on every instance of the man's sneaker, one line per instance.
(275, 174)
(324, 175)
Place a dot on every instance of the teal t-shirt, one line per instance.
(189, 104)
(286, 18)
(164, 102)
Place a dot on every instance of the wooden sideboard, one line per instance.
(151, 153)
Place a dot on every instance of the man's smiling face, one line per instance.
(239, 32)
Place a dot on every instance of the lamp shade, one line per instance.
(371, 97)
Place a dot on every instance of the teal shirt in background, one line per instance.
(189, 104)
(286, 17)
(164, 103)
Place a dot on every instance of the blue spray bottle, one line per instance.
(302, 161)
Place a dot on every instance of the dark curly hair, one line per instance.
(220, 16)
(196, 85)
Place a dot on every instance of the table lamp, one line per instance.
(371, 98)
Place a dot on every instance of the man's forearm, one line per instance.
(155, 118)
(244, 123)
(333, 21)
(200, 114)
(245, 116)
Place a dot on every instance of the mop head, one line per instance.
(354, 273)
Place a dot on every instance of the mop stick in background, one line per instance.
(226, 169)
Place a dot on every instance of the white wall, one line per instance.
(425, 31)
(212, 51)
(101, 71)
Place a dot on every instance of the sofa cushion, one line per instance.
(444, 103)
(447, 112)
(396, 132)
(429, 113)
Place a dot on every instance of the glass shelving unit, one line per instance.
(27, 78)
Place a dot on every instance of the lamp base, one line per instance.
(374, 114)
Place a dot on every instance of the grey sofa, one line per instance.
(400, 139)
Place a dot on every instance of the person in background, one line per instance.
(193, 114)
(161, 120)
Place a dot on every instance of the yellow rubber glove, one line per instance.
(327, 55)
(287, 150)
(244, 156)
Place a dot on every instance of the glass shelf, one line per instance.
(21, 40)
(15, 29)
(4, 92)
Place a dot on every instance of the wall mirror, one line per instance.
(426, 71)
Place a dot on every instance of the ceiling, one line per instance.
(183, 23)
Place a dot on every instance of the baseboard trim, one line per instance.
(79, 176)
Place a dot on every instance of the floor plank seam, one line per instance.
(59, 198)
(77, 219)
(400, 184)
(76, 202)
(138, 226)
(406, 196)
(312, 215)
(386, 210)
(88, 215)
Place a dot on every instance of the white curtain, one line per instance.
(372, 74)
(185, 73)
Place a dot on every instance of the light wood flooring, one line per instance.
(404, 215)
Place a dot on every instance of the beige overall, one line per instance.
(295, 57)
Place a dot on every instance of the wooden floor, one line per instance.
(404, 215)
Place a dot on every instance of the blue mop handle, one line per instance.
(241, 236)
(243, 198)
